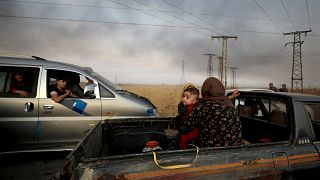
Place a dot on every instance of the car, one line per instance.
(34, 122)
(282, 141)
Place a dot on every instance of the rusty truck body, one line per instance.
(282, 131)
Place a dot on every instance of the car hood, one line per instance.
(136, 97)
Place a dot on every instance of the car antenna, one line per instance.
(38, 58)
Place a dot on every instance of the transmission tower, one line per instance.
(233, 77)
(220, 69)
(223, 67)
(183, 80)
(210, 64)
(296, 75)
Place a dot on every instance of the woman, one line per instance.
(216, 117)
(20, 86)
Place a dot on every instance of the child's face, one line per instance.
(62, 84)
(189, 98)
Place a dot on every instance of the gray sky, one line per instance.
(145, 41)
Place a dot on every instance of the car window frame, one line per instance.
(34, 71)
(48, 69)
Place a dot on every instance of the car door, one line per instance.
(18, 114)
(65, 123)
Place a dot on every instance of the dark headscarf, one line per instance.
(213, 90)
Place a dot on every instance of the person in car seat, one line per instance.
(216, 117)
(74, 86)
(59, 91)
(20, 86)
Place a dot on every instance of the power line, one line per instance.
(158, 10)
(267, 15)
(308, 14)
(194, 15)
(280, 53)
(64, 4)
(142, 12)
(168, 14)
(101, 22)
(288, 15)
(127, 23)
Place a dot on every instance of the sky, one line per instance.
(148, 41)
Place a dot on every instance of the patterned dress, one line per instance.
(219, 125)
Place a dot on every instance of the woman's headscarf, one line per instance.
(213, 90)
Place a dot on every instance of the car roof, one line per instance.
(294, 96)
(250, 90)
(37, 61)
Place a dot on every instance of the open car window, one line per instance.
(264, 119)
(80, 85)
(27, 82)
(313, 110)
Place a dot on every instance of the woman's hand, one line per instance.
(22, 93)
(234, 94)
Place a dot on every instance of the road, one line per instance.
(31, 166)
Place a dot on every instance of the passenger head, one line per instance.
(190, 95)
(213, 90)
(284, 86)
(18, 76)
(270, 84)
(61, 82)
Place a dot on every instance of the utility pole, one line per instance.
(183, 80)
(220, 69)
(210, 64)
(233, 77)
(296, 75)
(223, 70)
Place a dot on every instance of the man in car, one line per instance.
(59, 92)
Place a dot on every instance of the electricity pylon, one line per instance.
(223, 70)
(210, 64)
(296, 75)
(233, 77)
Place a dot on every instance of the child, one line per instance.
(189, 100)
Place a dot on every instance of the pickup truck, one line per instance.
(282, 133)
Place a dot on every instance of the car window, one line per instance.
(18, 82)
(278, 112)
(252, 107)
(264, 119)
(105, 93)
(80, 85)
(3, 77)
(313, 110)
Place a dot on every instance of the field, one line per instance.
(167, 97)
(164, 97)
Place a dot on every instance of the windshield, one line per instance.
(103, 80)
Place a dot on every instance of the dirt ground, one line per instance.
(32, 166)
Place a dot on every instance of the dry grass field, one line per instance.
(167, 97)
(164, 97)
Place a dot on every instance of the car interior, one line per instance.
(263, 120)
(30, 76)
